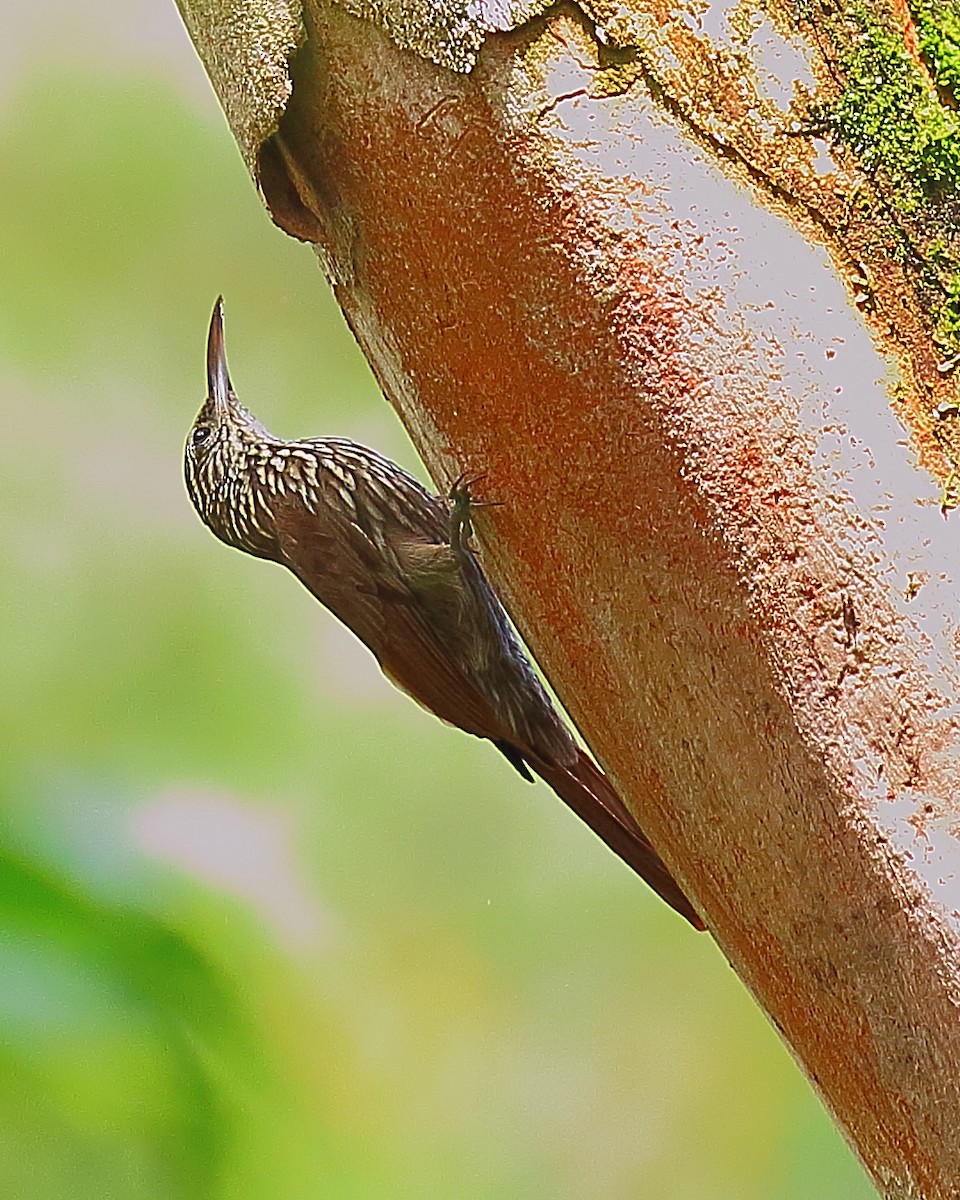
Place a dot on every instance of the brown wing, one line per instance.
(376, 552)
(331, 566)
(440, 634)
(412, 660)
(360, 570)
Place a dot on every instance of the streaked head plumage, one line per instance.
(224, 446)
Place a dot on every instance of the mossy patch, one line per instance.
(948, 325)
(898, 113)
(890, 113)
(938, 28)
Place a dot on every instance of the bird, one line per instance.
(396, 564)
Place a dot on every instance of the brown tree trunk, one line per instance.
(690, 298)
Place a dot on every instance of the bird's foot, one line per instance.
(462, 505)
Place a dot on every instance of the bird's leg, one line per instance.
(461, 508)
(462, 505)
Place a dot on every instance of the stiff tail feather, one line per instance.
(585, 789)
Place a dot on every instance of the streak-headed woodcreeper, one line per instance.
(395, 564)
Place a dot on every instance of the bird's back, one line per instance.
(374, 546)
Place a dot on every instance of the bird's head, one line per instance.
(223, 448)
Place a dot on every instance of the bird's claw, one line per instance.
(462, 506)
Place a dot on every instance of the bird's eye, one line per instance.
(200, 434)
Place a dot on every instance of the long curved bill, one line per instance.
(218, 379)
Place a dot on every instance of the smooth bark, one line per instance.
(624, 280)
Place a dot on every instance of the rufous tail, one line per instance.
(585, 789)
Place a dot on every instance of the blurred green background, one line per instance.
(266, 929)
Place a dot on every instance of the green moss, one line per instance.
(898, 115)
(948, 317)
(890, 114)
(938, 26)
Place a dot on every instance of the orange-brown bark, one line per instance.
(709, 528)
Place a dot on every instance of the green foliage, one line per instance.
(122, 1011)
